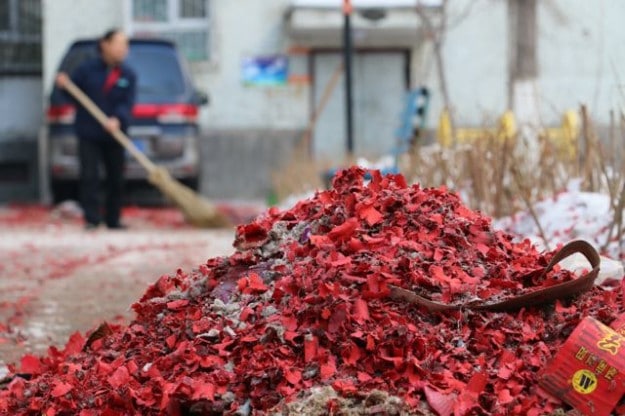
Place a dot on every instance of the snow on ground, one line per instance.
(385, 163)
(573, 215)
(290, 201)
(569, 215)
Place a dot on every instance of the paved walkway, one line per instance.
(56, 279)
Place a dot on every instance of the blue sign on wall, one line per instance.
(265, 70)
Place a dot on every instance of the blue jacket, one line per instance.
(117, 102)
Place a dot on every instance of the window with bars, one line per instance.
(185, 22)
(20, 36)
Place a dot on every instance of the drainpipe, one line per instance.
(347, 59)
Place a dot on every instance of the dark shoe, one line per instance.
(117, 227)
(91, 226)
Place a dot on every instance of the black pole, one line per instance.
(347, 58)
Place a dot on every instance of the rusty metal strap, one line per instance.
(532, 298)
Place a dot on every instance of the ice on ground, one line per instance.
(573, 215)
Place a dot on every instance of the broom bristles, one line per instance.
(196, 210)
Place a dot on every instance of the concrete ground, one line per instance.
(56, 278)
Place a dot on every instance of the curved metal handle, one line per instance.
(537, 297)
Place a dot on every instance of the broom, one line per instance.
(196, 210)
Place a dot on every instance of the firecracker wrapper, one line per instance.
(588, 372)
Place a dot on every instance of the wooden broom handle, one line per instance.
(99, 115)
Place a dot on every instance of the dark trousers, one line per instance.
(111, 155)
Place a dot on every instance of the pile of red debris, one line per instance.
(304, 304)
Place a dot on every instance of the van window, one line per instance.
(76, 55)
(158, 69)
(159, 73)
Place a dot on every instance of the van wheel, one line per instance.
(63, 191)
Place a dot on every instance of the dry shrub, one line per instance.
(496, 176)
(500, 177)
(301, 174)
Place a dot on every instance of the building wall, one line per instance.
(20, 106)
(581, 57)
(67, 20)
(240, 28)
(475, 62)
(245, 28)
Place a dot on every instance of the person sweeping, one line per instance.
(111, 85)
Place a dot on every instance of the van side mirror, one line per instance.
(201, 98)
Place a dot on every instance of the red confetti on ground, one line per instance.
(40, 215)
(304, 303)
(136, 217)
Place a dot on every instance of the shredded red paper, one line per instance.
(304, 303)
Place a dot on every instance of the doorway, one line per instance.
(380, 81)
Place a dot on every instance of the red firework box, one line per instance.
(588, 372)
(619, 324)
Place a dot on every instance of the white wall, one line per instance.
(67, 20)
(580, 60)
(581, 57)
(20, 106)
(244, 28)
(240, 28)
(475, 58)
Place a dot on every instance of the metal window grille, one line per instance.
(20, 36)
(149, 10)
(185, 22)
(5, 16)
(193, 8)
